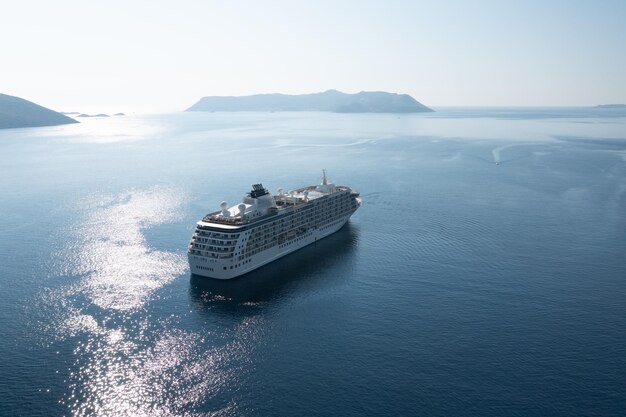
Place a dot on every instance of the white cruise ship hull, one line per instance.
(264, 227)
(218, 269)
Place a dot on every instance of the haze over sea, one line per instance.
(460, 287)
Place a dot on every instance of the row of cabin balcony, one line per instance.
(216, 235)
(214, 242)
(211, 254)
(214, 248)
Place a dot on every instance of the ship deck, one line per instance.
(295, 198)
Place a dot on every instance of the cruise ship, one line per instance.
(264, 227)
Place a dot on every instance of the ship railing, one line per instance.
(236, 220)
(215, 241)
(209, 254)
(211, 235)
(218, 218)
(216, 249)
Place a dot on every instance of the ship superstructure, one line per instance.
(264, 227)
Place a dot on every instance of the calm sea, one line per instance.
(484, 274)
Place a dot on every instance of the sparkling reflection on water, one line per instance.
(125, 361)
(120, 271)
(128, 363)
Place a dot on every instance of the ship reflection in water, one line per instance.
(322, 263)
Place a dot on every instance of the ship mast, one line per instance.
(324, 179)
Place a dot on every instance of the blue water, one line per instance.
(460, 287)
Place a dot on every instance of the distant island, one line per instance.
(16, 112)
(611, 106)
(331, 101)
(93, 115)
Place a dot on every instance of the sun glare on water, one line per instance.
(126, 363)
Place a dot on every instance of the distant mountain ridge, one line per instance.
(17, 112)
(331, 100)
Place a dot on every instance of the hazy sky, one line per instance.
(164, 55)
